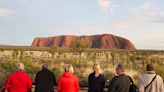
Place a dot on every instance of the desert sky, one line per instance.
(140, 21)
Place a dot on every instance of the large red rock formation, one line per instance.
(95, 41)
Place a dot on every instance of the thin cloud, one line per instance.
(106, 5)
(145, 8)
(158, 18)
(25, 2)
(135, 22)
(77, 30)
(4, 12)
(157, 43)
(141, 14)
(129, 23)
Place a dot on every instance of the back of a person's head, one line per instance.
(96, 67)
(44, 66)
(120, 67)
(20, 66)
(150, 67)
(69, 68)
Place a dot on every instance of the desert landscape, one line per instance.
(109, 34)
(82, 59)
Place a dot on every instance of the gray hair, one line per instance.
(20, 66)
(44, 66)
(121, 67)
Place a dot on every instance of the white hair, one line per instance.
(20, 66)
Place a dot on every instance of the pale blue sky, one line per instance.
(141, 21)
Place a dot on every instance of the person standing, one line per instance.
(120, 83)
(96, 80)
(150, 81)
(18, 81)
(45, 80)
(68, 82)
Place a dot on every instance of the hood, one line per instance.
(67, 74)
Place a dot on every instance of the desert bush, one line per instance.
(30, 66)
(6, 68)
(160, 71)
(108, 75)
(57, 72)
(135, 62)
(135, 78)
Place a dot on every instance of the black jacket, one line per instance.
(96, 84)
(45, 81)
(119, 84)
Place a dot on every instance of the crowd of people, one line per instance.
(45, 80)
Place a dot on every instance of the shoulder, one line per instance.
(75, 77)
(102, 76)
(159, 78)
(124, 75)
(127, 77)
(142, 76)
(25, 74)
(39, 72)
(51, 72)
(119, 78)
(145, 76)
(48, 72)
(11, 75)
(114, 78)
(92, 74)
(61, 77)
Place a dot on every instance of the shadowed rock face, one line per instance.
(95, 41)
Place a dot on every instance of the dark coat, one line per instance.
(45, 81)
(96, 84)
(119, 84)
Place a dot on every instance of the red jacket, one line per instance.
(18, 82)
(68, 83)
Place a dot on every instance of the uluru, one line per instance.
(108, 41)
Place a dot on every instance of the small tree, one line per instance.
(79, 46)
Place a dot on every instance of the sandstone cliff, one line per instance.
(95, 41)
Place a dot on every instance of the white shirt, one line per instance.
(156, 86)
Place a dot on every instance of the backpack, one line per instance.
(133, 87)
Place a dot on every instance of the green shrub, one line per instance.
(160, 71)
(108, 75)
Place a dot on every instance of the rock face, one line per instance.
(95, 41)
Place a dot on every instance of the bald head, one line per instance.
(150, 67)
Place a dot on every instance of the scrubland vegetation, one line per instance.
(82, 60)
